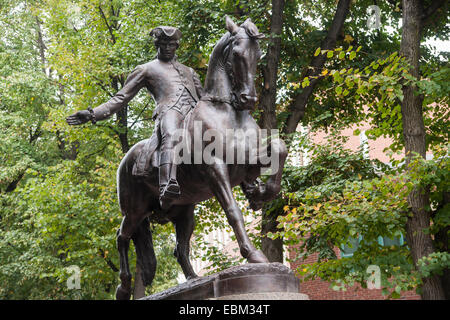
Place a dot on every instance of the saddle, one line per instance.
(143, 163)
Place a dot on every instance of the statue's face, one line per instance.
(166, 49)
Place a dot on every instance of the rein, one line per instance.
(213, 99)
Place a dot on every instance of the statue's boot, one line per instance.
(169, 189)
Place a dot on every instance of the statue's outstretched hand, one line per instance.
(79, 117)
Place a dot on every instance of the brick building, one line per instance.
(320, 290)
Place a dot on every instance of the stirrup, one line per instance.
(171, 189)
(168, 193)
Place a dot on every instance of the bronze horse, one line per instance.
(230, 96)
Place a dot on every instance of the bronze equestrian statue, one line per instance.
(229, 97)
(176, 90)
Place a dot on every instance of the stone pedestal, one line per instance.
(256, 281)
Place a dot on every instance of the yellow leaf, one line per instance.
(325, 72)
(317, 52)
(348, 38)
(286, 208)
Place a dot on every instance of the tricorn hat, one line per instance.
(161, 32)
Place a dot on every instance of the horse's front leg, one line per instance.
(278, 153)
(220, 184)
(258, 192)
(252, 191)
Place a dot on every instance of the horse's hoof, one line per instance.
(256, 205)
(257, 257)
(122, 294)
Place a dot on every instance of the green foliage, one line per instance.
(338, 196)
(58, 184)
(58, 204)
(434, 176)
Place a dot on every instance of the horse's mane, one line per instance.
(217, 55)
(220, 52)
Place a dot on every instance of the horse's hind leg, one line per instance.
(184, 226)
(145, 253)
(133, 205)
(124, 233)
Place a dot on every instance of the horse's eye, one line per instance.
(236, 42)
(237, 51)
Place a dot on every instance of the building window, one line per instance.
(364, 144)
(349, 249)
(387, 242)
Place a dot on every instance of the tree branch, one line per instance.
(40, 43)
(140, 113)
(430, 10)
(99, 82)
(13, 185)
(297, 107)
(107, 24)
(34, 135)
(394, 3)
(108, 261)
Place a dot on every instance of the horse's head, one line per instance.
(243, 53)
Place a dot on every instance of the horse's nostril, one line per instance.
(247, 98)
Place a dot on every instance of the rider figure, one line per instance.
(176, 89)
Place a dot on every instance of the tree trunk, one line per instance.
(40, 43)
(420, 243)
(122, 119)
(268, 120)
(274, 249)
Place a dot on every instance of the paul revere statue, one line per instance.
(175, 88)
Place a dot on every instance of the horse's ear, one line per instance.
(251, 29)
(231, 26)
